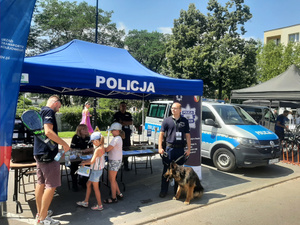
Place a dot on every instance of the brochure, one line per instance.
(84, 171)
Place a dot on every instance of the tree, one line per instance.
(147, 48)
(273, 59)
(56, 23)
(211, 48)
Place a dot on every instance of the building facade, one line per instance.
(283, 35)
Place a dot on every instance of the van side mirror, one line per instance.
(210, 122)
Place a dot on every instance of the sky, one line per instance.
(159, 15)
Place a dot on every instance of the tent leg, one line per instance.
(94, 122)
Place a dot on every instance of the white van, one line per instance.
(230, 136)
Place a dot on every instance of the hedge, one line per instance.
(71, 117)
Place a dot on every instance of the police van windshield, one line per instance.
(234, 115)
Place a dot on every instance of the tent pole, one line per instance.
(94, 123)
(143, 117)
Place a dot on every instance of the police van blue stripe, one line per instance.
(260, 132)
(212, 138)
(152, 127)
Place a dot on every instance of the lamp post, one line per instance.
(96, 40)
(96, 30)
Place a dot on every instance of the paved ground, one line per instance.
(276, 204)
(230, 198)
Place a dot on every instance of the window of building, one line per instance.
(277, 41)
(294, 37)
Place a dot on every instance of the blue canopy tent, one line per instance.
(89, 69)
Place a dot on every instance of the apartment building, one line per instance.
(283, 35)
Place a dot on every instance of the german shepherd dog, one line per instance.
(188, 182)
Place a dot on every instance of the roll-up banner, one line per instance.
(191, 109)
(15, 18)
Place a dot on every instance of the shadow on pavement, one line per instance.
(141, 201)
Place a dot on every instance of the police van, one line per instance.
(230, 136)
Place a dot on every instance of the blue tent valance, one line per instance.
(89, 69)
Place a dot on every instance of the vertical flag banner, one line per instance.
(191, 109)
(15, 18)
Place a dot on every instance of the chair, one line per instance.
(64, 172)
(30, 173)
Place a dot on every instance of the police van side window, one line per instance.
(269, 115)
(255, 113)
(157, 110)
(207, 114)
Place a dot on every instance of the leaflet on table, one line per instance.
(84, 171)
(85, 157)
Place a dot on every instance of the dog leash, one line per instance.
(165, 154)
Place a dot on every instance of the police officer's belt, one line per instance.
(175, 145)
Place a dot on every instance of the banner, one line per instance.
(191, 109)
(15, 18)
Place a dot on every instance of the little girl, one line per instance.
(97, 164)
(115, 154)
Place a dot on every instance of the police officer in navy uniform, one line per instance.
(176, 131)
(124, 118)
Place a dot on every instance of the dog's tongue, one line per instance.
(167, 179)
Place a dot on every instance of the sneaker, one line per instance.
(83, 204)
(49, 214)
(48, 221)
(97, 207)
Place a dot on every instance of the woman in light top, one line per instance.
(115, 154)
(86, 117)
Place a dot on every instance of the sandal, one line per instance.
(120, 196)
(110, 200)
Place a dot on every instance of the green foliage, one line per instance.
(211, 48)
(104, 118)
(58, 22)
(147, 48)
(108, 103)
(273, 59)
(71, 117)
(24, 105)
(137, 118)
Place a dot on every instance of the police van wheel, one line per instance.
(224, 160)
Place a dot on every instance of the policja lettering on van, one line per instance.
(263, 132)
(129, 85)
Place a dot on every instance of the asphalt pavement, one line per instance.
(262, 195)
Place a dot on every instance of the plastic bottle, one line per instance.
(67, 159)
(58, 155)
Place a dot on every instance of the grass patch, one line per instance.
(70, 134)
(66, 134)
